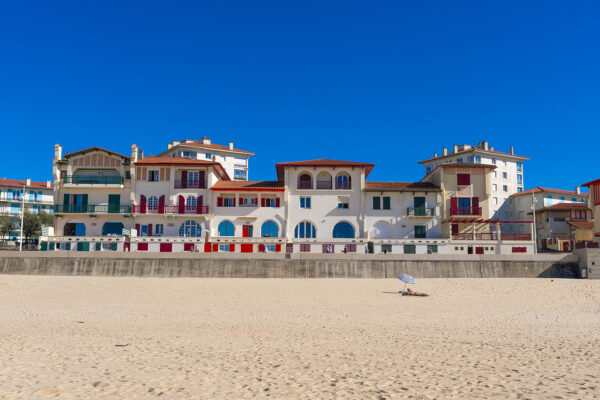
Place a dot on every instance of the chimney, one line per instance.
(48, 183)
(28, 181)
(134, 152)
(205, 140)
(577, 190)
(176, 142)
(485, 144)
(434, 155)
(445, 151)
(57, 152)
(480, 145)
(455, 148)
(230, 145)
(141, 156)
(169, 145)
(512, 150)
(492, 148)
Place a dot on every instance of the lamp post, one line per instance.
(533, 201)
(22, 215)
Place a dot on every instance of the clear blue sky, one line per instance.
(388, 82)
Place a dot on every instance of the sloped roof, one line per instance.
(322, 162)
(475, 149)
(181, 161)
(20, 183)
(252, 186)
(401, 187)
(211, 146)
(591, 183)
(95, 148)
(582, 224)
(540, 189)
(564, 207)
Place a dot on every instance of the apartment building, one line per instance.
(508, 176)
(234, 161)
(560, 226)
(36, 196)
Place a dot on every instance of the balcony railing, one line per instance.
(589, 245)
(486, 236)
(343, 186)
(93, 180)
(190, 184)
(324, 185)
(137, 209)
(93, 209)
(420, 212)
(305, 185)
(474, 211)
(462, 236)
(516, 236)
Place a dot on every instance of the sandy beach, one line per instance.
(132, 338)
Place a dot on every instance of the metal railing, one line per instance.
(93, 209)
(305, 185)
(515, 236)
(343, 186)
(420, 212)
(324, 184)
(93, 180)
(137, 209)
(475, 211)
(190, 184)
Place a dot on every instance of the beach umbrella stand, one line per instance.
(406, 279)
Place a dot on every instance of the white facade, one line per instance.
(37, 196)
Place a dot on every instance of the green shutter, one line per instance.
(44, 246)
(98, 246)
(113, 246)
(68, 246)
(84, 202)
(420, 231)
(376, 203)
(66, 203)
(114, 200)
(410, 249)
(52, 245)
(386, 203)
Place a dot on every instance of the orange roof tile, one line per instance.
(401, 187)
(19, 184)
(253, 186)
(564, 207)
(540, 189)
(582, 224)
(474, 149)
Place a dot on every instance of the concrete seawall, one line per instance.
(137, 265)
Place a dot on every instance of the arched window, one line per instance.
(305, 230)
(190, 204)
(305, 181)
(190, 229)
(269, 229)
(343, 181)
(112, 229)
(226, 228)
(324, 180)
(343, 230)
(152, 204)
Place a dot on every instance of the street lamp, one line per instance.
(22, 215)
(533, 201)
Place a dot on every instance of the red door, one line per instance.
(247, 248)
(247, 230)
(454, 229)
(479, 250)
(166, 247)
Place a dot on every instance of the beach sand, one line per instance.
(132, 338)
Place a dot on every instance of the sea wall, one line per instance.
(276, 266)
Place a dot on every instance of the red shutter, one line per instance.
(207, 247)
(278, 248)
(475, 206)
(199, 205)
(215, 247)
(161, 204)
(184, 179)
(454, 206)
(234, 201)
(142, 204)
(142, 246)
(232, 247)
(137, 228)
(256, 201)
(149, 229)
(202, 180)
(261, 248)
(454, 229)
(220, 202)
(463, 179)
(181, 208)
(277, 202)
(262, 202)
(188, 247)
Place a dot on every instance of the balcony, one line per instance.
(491, 236)
(92, 180)
(190, 184)
(324, 185)
(420, 212)
(170, 210)
(343, 186)
(516, 236)
(466, 211)
(93, 209)
(306, 185)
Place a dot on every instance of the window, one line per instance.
(343, 230)
(574, 200)
(15, 209)
(495, 200)
(152, 204)
(386, 248)
(519, 249)
(190, 204)
(428, 170)
(153, 176)
(240, 174)
(504, 175)
(432, 248)
(519, 166)
(224, 247)
(189, 154)
(269, 229)
(304, 202)
(410, 249)
(305, 230)
(158, 229)
(464, 206)
(495, 187)
(504, 188)
(248, 202)
(562, 199)
(192, 179)
(420, 231)
(304, 181)
(226, 228)
(463, 179)
(305, 248)
(376, 203)
(519, 179)
(477, 159)
(188, 229)
(470, 159)
(208, 156)
(519, 189)
(343, 204)
(386, 202)
(493, 161)
(343, 182)
(228, 202)
(270, 202)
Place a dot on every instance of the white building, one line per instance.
(506, 179)
(37, 196)
(234, 161)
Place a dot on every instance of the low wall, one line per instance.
(140, 265)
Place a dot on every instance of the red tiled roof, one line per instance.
(582, 224)
(401, 187)
(181, 161)
(591, 183)
(95, 148)
(322, 162)
(475, 149)
(19, 184)
(211, 146)
(564, 207)
(543, 189)
(251, 186)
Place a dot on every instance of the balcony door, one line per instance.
(114, 201)
(247, 230)
(419, 203)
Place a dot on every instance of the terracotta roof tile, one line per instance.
(582, 224)
(401, 187)
(19, 184)
(564, 207)
(257, 186)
